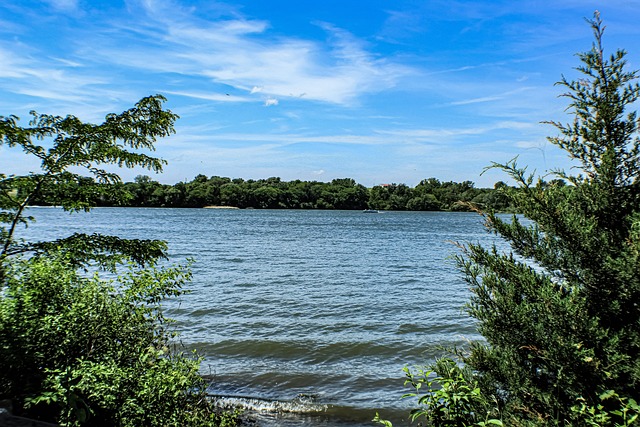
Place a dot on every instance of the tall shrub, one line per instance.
(561, 314)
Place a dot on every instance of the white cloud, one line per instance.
(63, 5)
(227, 52)
(219, 97)
(270, 102)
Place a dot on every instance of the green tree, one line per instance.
(145, 192)
(232, 194)
(426, 202)
(267, 197)
(559, 312)
(74, 146)
(75, 348)
(390, 196)
(561, 316)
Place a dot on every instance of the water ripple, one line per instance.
(312, 303)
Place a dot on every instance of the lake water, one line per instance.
(307, 316)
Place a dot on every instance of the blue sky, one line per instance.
(379, 91)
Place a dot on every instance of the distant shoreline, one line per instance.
(220, 207)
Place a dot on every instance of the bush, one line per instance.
(82, 350)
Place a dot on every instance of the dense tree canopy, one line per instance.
(273, 193)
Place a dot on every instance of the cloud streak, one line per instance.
(229, 52)
(218, 97)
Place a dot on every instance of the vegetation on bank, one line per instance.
(273, 193)
(560, 314)
(79, 348)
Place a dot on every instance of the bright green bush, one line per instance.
(451, 396)
(448, 395)
(625, 412)
(86, 350)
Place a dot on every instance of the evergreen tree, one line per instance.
(561, 314)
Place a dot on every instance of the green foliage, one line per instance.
(452, 397)
(82, 349)
(448, 396)
(78, 349)
(626, 413)
(76, 146)
(560, 315)
(272, 193)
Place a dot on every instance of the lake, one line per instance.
(307, 316)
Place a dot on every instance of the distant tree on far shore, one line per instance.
(273, 193)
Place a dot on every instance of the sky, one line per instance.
(378, 91)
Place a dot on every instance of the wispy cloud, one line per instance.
(55, 84)
(238, 57)
(209, 96)
(63, 5)
(228, 52)
(491, 98)
(12, 66)
(441, 135)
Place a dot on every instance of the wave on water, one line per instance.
(306, 318)
(301, 404)
(270, 412)
(302, 411)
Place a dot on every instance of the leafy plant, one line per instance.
(76, 348)
(448, 396)
(626, 413)
(452, 397)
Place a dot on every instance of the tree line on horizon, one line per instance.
(273, 193)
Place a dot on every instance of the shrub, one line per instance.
(86, 350)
